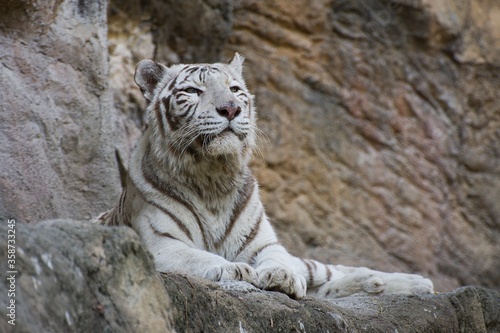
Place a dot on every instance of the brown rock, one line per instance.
(386, 148)
(381, 142)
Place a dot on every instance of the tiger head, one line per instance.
(202, 109)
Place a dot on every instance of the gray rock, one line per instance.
(468, 309)
(57, 124)
(196, 31)
(79, 277)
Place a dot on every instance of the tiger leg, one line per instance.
(333, 281)
(276, 272)
(273, 264)
(172, 255)
(364, 281)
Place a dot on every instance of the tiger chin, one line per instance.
(194, 202)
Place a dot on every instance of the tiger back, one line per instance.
(191, 197)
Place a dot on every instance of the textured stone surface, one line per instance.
(468, 309)
(77, 277)
(56, 120)
(381, 124)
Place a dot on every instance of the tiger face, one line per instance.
(202, 108)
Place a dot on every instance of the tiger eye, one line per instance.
(192, 90)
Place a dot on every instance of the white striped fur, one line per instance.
(191, 197)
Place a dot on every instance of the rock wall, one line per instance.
(57, 122)
(381, 128)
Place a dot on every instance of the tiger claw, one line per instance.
(282, 280)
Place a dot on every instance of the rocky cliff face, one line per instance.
(380, 119)
(57, 123)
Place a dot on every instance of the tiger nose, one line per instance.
(230, 112)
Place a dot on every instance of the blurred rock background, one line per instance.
(380, 119)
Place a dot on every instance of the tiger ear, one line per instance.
(147, 75)
(237, 63)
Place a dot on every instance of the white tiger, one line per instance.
(193, 201)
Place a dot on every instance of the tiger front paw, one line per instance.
(283, 280)
(234, 271)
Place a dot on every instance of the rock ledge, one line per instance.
(78, 277)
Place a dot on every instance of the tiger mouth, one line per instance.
(206, 139)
